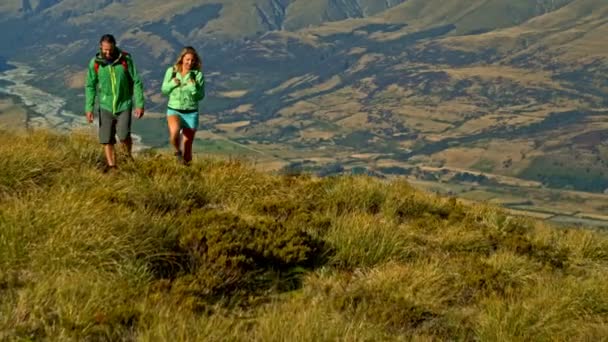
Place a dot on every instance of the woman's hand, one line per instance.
(176, 81)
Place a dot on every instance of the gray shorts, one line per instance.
(111, 125)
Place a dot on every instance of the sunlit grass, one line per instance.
(219, 251)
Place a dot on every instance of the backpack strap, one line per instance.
(123, 60)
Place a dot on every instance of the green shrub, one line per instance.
(228, 254)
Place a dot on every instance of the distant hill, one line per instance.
(203, 18)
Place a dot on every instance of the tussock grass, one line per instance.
(218, 251)
(364, 240)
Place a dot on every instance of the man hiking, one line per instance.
(113, 72)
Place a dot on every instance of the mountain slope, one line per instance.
(471, 16)
(223, 18)
(571, 32)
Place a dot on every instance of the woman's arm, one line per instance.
(200, 86)
(196, 86)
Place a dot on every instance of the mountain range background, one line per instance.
(490, 100)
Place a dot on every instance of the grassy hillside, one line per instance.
(218, 251)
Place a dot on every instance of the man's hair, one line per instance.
(108, 38)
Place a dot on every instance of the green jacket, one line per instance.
(187, 95)
(117, 87)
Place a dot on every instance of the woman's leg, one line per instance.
(174, 126)
(188, 140)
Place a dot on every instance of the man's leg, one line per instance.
(127, 146)
(123, 130)
(107, 132)
(108, 150)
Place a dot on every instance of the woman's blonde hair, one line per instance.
(180, 59)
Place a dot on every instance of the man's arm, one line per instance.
(138, 89)
(90, 90)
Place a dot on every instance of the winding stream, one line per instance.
(44, 110)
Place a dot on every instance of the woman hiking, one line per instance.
(184, 84)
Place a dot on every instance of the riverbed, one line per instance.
(44, 110)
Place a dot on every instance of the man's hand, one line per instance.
(139, 112)
(90, 117)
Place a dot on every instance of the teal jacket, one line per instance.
(118, 83)
(187, 95)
